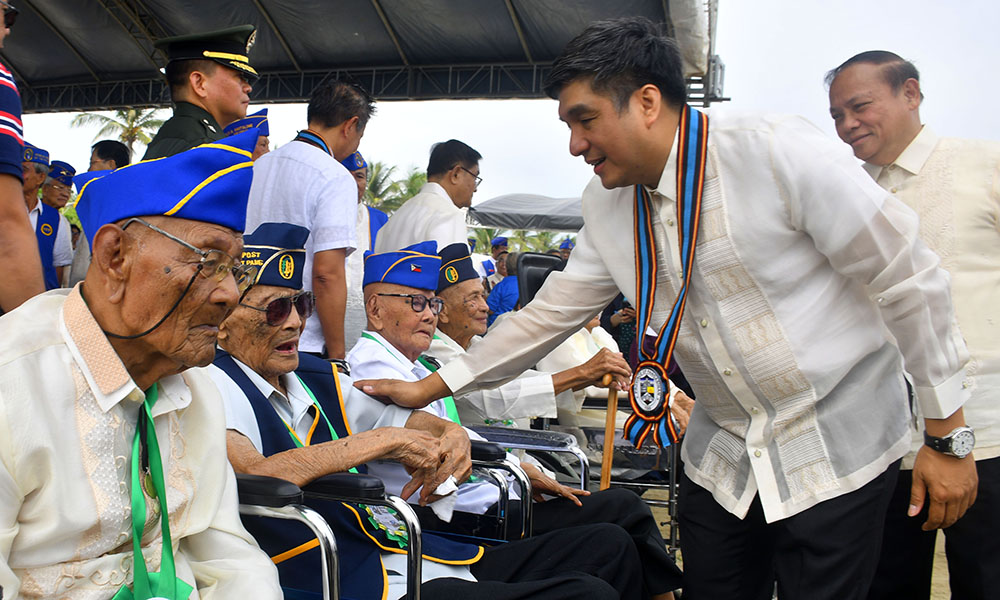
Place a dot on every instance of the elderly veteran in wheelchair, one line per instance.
(113, 474)
(285, 419)
(402, 313)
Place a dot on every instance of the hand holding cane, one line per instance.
(609, 431)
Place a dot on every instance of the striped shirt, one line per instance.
(11, 129)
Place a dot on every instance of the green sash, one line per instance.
(145, 585)
(449, 402)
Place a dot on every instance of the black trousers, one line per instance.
(591, 561)
(827, 552)
(620, 507)
(972, 545)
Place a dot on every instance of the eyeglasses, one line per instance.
(277, 310)
(418, 302)
(478, 178)
(9, 15)
(214, 264)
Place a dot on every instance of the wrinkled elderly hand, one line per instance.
(602, 363)
(543, 484)
(420, 453)
(681, 411)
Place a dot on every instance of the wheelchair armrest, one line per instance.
(529, 439)
(272, 492)
(354, 486)
(487, 451)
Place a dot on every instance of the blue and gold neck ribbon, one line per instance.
(312, 138)
(649, 390)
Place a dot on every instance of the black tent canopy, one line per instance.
(528, 211)
(99, 54)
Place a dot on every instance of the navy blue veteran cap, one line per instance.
(354, 162)
(415, 266)
(35, 154)
(456, 266)
(62, 172)
(258, 120)
(278, 250)
(209, 183)
(228, 47)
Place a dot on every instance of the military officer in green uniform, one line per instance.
(209, 76)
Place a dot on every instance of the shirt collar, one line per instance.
(297, 396)
(435, 188)
(668, 178)
(37, 209)
(417, 368)
(913, 157)
(102, 367)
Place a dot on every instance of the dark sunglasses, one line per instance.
(277, 311)
(419, 302)
(9, 15)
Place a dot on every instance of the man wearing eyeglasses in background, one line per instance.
(100, 408)
(18, 247)
(437, 213)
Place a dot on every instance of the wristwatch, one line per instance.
(958, 443)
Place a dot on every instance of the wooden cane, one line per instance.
(609, 432)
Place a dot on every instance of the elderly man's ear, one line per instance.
(111, 261)
(373, 308)
(443, 315)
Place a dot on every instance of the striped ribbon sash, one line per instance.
(648, 392)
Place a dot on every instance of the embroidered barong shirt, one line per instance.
(68, 411)
(954, 187)
(801, 261)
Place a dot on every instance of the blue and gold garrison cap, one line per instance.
(258, 120)
(209, 183)
(354, 162)
(567, 244)
(415, 266)
(35, 154)
(499, 242)
(228, 47)
(62, 172)
(278, 250)
(456, 266)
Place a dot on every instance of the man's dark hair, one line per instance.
(113, 150)
(178, 71)
(895, 69)
(620, 56)
(445, 155)
(336, 101)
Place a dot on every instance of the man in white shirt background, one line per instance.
(801, 416)
(437, 213)
(954, 187)
(304, 184)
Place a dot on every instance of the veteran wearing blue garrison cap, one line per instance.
(52, 231)
(112, 360)
(210, 79)
(58, 185)
(257, 120)
(566, 248)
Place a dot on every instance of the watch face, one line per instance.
(962, 443)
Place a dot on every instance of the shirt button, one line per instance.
(727, 372)
(893, 190)
(754, 409)
(670, 222)
(756, 453)
(965, 385)
(881, 300)
(892, 167)
(704, 322)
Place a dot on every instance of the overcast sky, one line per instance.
(775, 52)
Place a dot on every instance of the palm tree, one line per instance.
(380, 183)
(484, 236)
(130, 125)
(524, 240)
(403, 190)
